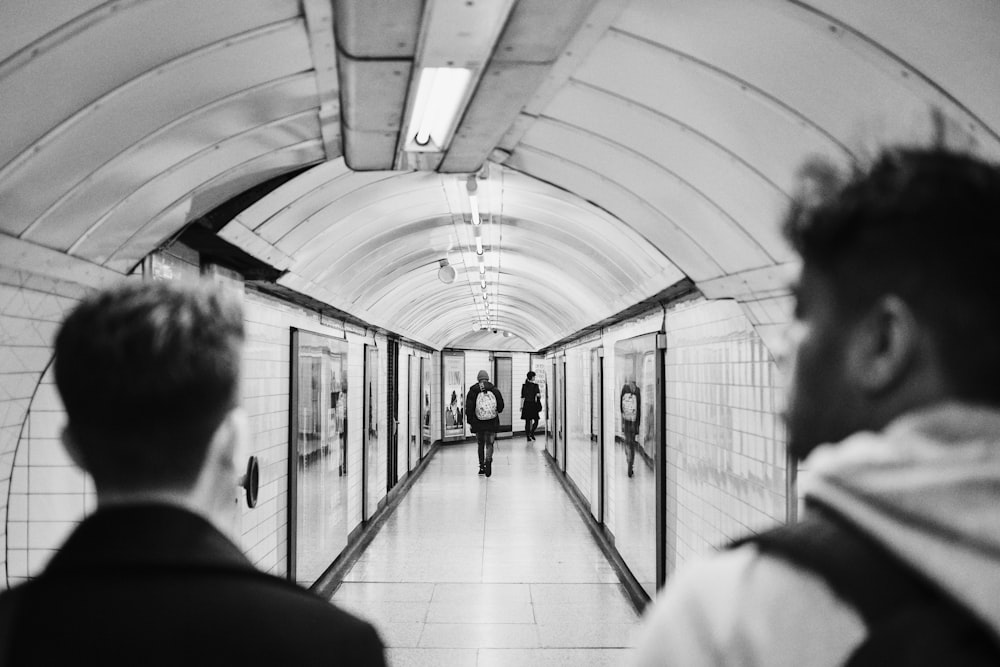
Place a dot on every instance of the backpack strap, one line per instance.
(910, 620)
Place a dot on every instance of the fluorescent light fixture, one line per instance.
(482, 283)
(482, 268)
(479, 246)
(474, 204)
(440, 98)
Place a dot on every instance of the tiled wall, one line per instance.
(266, 394)
(42, 495)
(725, 444)
(725, 455)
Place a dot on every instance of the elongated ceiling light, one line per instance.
(441, 96)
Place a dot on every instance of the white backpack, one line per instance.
(486, 406)
(628, 407)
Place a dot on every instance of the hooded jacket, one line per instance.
(927, 488)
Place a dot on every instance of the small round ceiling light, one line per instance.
(446, 272)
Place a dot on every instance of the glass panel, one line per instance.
(505, 384)
(413, 431)
(561, 430)
(454, 395)
(372, 458)
(538, 365)
(635, 457)
(596, 451)
(425, 406)
(320, 453)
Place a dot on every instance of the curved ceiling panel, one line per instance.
(818, 68)
(208, 194)
(370, 245)
(96, 53)
(97, 190)
(711, 172)
(177, 182)
(946, 52)
(661, 143)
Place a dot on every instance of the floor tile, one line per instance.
(549, 657)
(432, 657)
(480, 635)
(499, 571)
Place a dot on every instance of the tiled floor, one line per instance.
(500, 571)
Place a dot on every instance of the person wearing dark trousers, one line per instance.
(531, 405)
(483, 404)
(631, 405)
(149, 374)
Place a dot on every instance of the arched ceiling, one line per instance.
(617, 147)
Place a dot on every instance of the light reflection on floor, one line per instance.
(321, 516)
(498, 571)
(635, 518)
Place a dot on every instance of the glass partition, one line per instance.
(318, 464)
(425, 406)
(635, 457)
(413, 413)
(454, 395)
(373, 458)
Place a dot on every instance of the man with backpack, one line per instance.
(892, 365)
(483, 404)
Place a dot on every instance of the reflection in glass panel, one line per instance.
(374, 457)
(321, 454)
(454, 395)
(538, 365)
(425, 406)
(413, 410)
(635, 457)
(596, 450)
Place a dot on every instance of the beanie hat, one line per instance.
(482, 375)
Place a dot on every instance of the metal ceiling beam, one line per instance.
(531, 42)
(376, 44)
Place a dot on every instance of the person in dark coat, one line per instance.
(483, 404)
(149, 373)
(631, 406)
(531, 405)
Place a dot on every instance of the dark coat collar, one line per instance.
(145, 536)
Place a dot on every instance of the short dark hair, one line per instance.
(147, 371)
(923, 224)
(531, 375)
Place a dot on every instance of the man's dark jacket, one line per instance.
(475, 423)
(157, 585)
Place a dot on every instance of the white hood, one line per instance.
(928, 488)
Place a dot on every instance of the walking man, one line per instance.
(483, 404)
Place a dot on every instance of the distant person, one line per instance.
(531, 405)
(893, 383)
(149, 374)
(483, 404)
(631, 407)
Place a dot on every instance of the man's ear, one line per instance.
(884, 345)
(69, 442)
(229, 442)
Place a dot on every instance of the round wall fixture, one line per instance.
(251, 481)
(446, 273)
